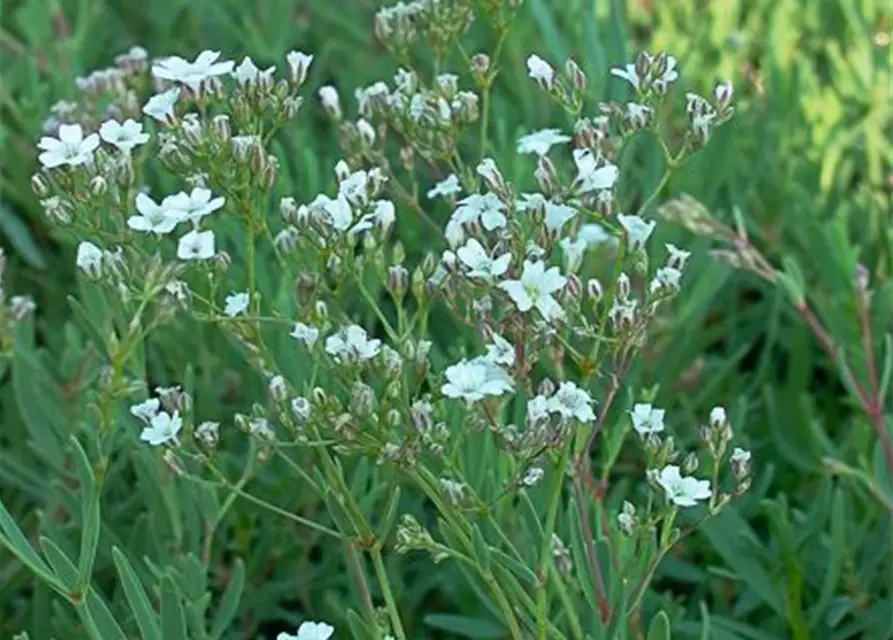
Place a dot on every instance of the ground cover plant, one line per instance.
(446, 319)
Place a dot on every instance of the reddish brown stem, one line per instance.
(869, 400)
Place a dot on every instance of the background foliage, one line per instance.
(806, 165)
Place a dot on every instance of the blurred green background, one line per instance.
(804, 556)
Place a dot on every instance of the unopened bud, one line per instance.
(594, 290)
(642, 64)
(290, 107)
(480, 65)
(623, 287)
(691, 463)
(99, 186)
(398, 280)
(576, 75)
(546, 387)
(722, 93)
(546, 175)
(277, 389)
(222, 128)
(328, 95)
(40, 186)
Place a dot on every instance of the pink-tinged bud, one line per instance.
(722, 93)
(576, 75)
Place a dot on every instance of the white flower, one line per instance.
(353, 187)
(594, 234)
(384, 214)
(537, 410)
(678, 257)
(570, 401)
(488, 170)
(718, 417)
(124, 136)
(637, 114)
(637, 230)
(161, 106)
(740, 456)
(573, 252)
(539, 142)
(484, 207)
(247, 73)
(310, 631)
(193, 206)
(153, 217)
(646, 419)
(683, 492)
(236, 303)
(590, 177)
(629, 74)
(328, 95)
(665, 278)
(481, 265)
(352, 343)
(535, 289)
(192, 74)
(89, 259)
(301, 408)
(471, 380)
(557, 215)
(70, 148)
(196, 245)
(298, 64)
(532, 477)
(540, 71)
(162, 428)
(146, 410)
(305, 333)
(454, 233)
(500, 351)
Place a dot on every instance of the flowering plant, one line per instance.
(492, 446)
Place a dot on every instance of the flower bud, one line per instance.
(277, 389)
(573, 287)
(691, 463)
(331, 102)
(398, 280)
(99, 186)
(722, 93)
(290, 107)
(40, 186)
(546, 387)
(576, 75)
(594, 290)
(480, 65)
(642, 64)
(222, 128)
(718, 418)
(623, 287)
(546, 175)
(208, 434)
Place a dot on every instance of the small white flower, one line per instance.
(208, 432)
(646, 419)
(383, 214)
(301, 408)
(153, 217)
(570, 401)
(161, 106)
(682, 491)
(446, 187)
(328, 95)
(192, 74)
(678, 257)
(637, 230)
(471, 380)
(718, 417)
(310, 631)
(162, 428)
(535, 289)
(557, 215)
(123, 136)
(196, 245)
(353, 343)
(590, 176)
(298, 65)
(146, 410)
(236, 303)
(540, 71)
(481, 265)
(247, 73)
(488, 170)
(595, 234)
(89, 259)
(540, 142)
(353, 187)
(665, 279)
(193, 206)
(573, 252)
(305, 333)
(487, 208)
(532, 477)
(500, 351)
(537, 410)
(740, 456)
(629, 74)
(70, 148)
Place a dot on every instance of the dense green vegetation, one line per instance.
(802, 364)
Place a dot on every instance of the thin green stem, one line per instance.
(356, 568)
(545, 560)
(383, 582)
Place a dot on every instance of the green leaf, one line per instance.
(14, 540)
(173, 618)
(390, 515)
(481, 549)
(85, 322)
(835, 558)
(558, 49)
(660, 627)
(229, 603)
(358, 628)
(476, 628)
(90, 514)
(145, 616)
(20, 238)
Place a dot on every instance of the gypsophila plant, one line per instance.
(511, 427)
